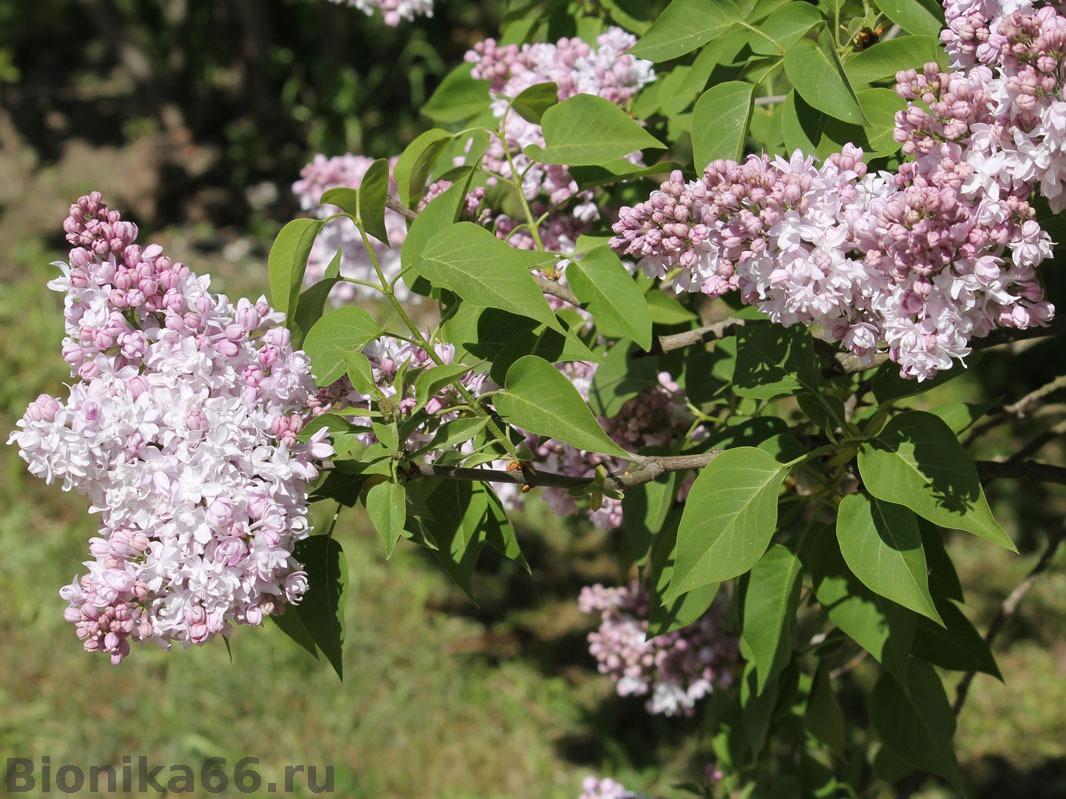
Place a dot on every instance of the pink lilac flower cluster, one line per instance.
(341, 235)
(604, 788)
(576, 67)
(182, 432)
(393, 11)
(674, 670)
(655, 418)
(916, 263)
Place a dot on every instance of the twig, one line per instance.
(772, 99)
(1009, 607)
(701, 335)
(556, 289)
(645, 470)
(1029, 470)
(401, 209)
(1015, 410)
(1039, 441)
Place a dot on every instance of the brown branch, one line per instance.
(1009, 607)
(401, 209)
(701, 335)
(645, 470)
(1028, 470)
(1015, 410)
(556, 289)
(1037, 443)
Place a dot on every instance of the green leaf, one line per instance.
(882, 546)
(943, 579)
(386, 505)
(341, 331)
(783, 28)
(290, 624)
(537, 397)
(916, 461)
(322, 607)
(957, 646)
(914, 720)
(470, 261)
(668, 616)
(888, 386)
(429, 382)
(373, 192)
(773, 361)
(618, 171)
(687, 87)
(885, 59)
(730, 516)
(462, 518)
(666, 310)
(720, 122)
(502, 338)
(498, 532)
(645, 509)
(960, 416)
(770, 605)
(879, 626)
(459, 97)
(823, 717)
(620, 377)
(534, 100)
(458, 431)
(416, 161)
(287, 262)
(683, 26)
(601, 282)
(357, 367)
(813, 68)
(586, 130)
(313, 301)
(345, 198)
(914, 16)
(758, 708)
(442, 212)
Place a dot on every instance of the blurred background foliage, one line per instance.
(196, 117)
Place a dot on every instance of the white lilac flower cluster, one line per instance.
(576, 67)
(918, 262)
(392, 11)
(656, 418)
(604, 788)
(673, 670)
(182, 432)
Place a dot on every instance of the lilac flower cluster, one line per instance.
(674, 670)
(341, 235)
(393, 11)
(576, 67)
(915, 263)
(655, 418)
(181, 431)
(604, 788)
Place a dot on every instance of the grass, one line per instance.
(442, 699)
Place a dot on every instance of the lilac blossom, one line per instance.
(393, 11)
(604, 788)
(673, 670)
(181, 430)
(576, 67)
(916, 263)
